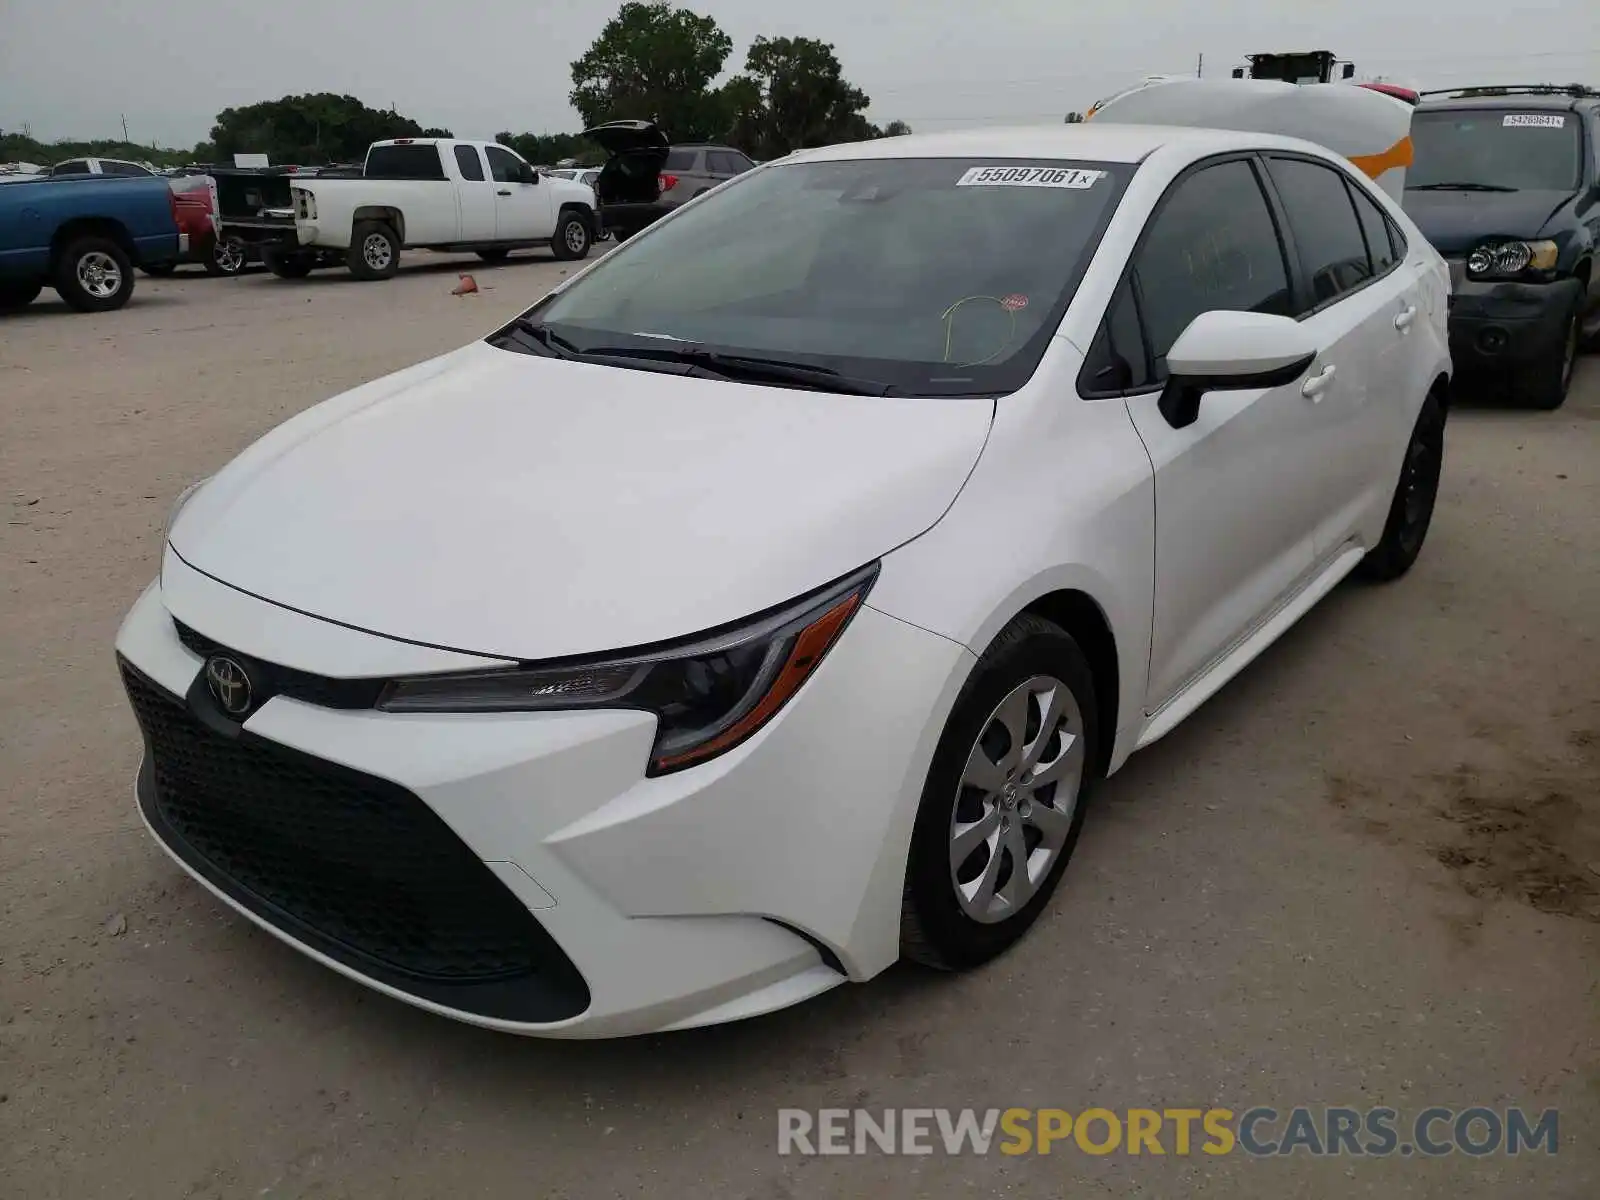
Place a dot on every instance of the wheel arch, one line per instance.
(78, 227)
(386, 213)
(1078, 614)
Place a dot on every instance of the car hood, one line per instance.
(1457, 221)
(524, 507)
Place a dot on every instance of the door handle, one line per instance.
(1313, 388)
(1402, 322)
(503, 192)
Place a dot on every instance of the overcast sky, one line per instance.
(76, 68)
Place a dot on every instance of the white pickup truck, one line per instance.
(433, 194)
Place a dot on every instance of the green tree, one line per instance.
(315, 128)
(547, 149)
(804, 99)
(1074, 118)
(655, 62)
(896, 129)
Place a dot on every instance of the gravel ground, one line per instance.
(1368, 873)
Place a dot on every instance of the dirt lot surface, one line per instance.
(1368, 873)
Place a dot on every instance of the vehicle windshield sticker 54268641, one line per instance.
(1534, 121)
(1051, 177)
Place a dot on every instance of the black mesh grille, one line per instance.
(359, 863)
(277, 680)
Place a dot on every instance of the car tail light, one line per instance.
(668, 182)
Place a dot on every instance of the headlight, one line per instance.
(1511, 258)
(708, 695)
(177, 507)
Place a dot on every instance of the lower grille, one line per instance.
(358, 867)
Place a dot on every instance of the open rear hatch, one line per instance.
(635, 153)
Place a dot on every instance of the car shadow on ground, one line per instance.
(49, 305)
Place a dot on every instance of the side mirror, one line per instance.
(1349, 70)
(1232, 351)
(529, 175)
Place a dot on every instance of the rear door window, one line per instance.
(468, 162)
(1327, 234)
(404, 162)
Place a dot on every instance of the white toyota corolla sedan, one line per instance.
(760, 606)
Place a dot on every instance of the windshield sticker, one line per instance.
(1534, 121)
(1014, 302)
(1051, 177)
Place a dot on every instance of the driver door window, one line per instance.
(1212, 245)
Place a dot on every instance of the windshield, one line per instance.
(1534, 151)
(924, 276)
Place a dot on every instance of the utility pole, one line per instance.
(1200, 67)
(124, 126)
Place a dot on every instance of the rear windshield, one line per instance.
(404, 162)
(1498, 148)
(929, 276)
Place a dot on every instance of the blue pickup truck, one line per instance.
(83, 235)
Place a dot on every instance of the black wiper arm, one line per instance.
(548, 338)
(750, 368)
(1458, 187)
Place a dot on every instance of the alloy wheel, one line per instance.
(1013, 809)
(99, 275)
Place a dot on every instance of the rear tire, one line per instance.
(94, 274)
(374, 251)
(18, 295)
(988, 812)
(572, 238)
(1411, 510)
(1545, 384)
(288, 266)
(494, 256)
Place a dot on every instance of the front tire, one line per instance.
(1411, 510)
(572, 238)
(1545, 384)
(374, 251)
(94, 274)
(1004, 799)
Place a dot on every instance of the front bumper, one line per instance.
(1507, 325)
(518, 871)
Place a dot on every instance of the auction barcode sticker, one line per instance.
(1051, 177)
(1534, 121)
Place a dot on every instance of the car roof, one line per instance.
(1102, 141)
(1549, 101)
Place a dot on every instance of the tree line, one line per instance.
(651, 61)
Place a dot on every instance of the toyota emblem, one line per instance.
(229, 685)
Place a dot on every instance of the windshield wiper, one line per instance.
(1458, 187)
(548, 338)
(749, 368)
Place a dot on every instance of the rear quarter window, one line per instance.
(681, 160)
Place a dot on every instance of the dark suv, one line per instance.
(1505, 182)
(645, 177)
